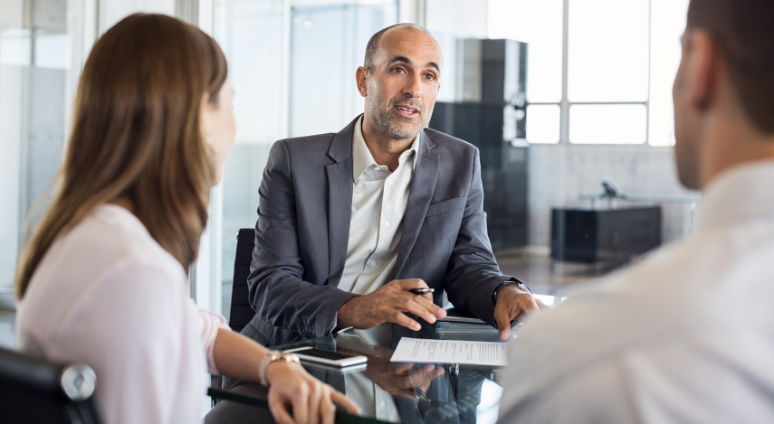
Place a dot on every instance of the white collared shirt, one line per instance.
(379, 199)
(685, 336)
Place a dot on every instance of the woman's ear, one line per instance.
(205, 118)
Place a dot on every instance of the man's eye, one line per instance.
(398, 70)
(430, 77)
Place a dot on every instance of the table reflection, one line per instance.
(386, 392)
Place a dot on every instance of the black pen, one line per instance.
(422, 291)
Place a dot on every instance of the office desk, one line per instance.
(386, 392)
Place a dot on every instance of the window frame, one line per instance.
(565, 104)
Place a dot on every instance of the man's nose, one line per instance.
(413, 87)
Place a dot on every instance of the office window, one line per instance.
(451, 21)
(543, 123)
(608, 51)
(34, 72)
(538, 23)
(601, 63)
(608, 123)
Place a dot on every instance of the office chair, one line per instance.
(241, 311)
(36, 391)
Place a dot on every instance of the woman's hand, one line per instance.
(311, 399)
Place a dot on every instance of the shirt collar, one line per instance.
(362, 158)
(738, 194)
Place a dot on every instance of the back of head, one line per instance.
(137, 136)
(744, 29)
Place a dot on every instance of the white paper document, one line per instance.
(423, 351)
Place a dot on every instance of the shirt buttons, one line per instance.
(386, 223)
(381, 404)
(372, 264)
(389, 180)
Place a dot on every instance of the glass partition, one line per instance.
(34, 71)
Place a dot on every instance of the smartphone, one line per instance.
(327, 357)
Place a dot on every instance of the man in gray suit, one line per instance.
(349, 223)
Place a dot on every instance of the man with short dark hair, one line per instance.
(687, 335)
(350, 223)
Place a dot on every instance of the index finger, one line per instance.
(432, 307)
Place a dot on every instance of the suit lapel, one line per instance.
(420, 194)
(340, 182)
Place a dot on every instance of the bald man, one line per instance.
(349, 223)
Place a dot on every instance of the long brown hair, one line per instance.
(137, 136)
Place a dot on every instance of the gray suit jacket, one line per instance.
(303, 229)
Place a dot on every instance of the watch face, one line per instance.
(291, 357)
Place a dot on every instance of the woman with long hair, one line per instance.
(103, 279)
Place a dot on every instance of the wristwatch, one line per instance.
(518, 284)
(274, 356)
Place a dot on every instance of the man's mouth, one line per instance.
(407, 111)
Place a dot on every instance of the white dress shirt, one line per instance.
(379, 200)
(108, 295)
(685, 336)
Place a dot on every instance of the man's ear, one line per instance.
(361, 76)
(702, 70)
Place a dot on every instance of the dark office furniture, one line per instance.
(36, 391)
(491, 115)
(241, 311)
(607, 235)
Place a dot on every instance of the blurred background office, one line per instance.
(591, 102)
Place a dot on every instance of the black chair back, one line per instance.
(36, 391)
(241, 311)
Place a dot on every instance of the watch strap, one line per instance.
(273, 356)
(516, 283)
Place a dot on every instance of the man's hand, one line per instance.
(403, 380)
(387, 304)
(510, 303)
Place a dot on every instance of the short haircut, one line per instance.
(373, 43)
(744, 29)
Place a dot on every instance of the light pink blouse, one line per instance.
(107, 295)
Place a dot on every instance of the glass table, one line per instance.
(386, 392)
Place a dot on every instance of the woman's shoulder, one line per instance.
(121, 234)
(108, 250)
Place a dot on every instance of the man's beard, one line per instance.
(386, 123)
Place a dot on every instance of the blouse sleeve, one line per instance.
(210, 324)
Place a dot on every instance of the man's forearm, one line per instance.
(290, 303)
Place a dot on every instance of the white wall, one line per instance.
(560, 174)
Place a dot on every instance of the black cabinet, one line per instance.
(607, 235)
(490, 114)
